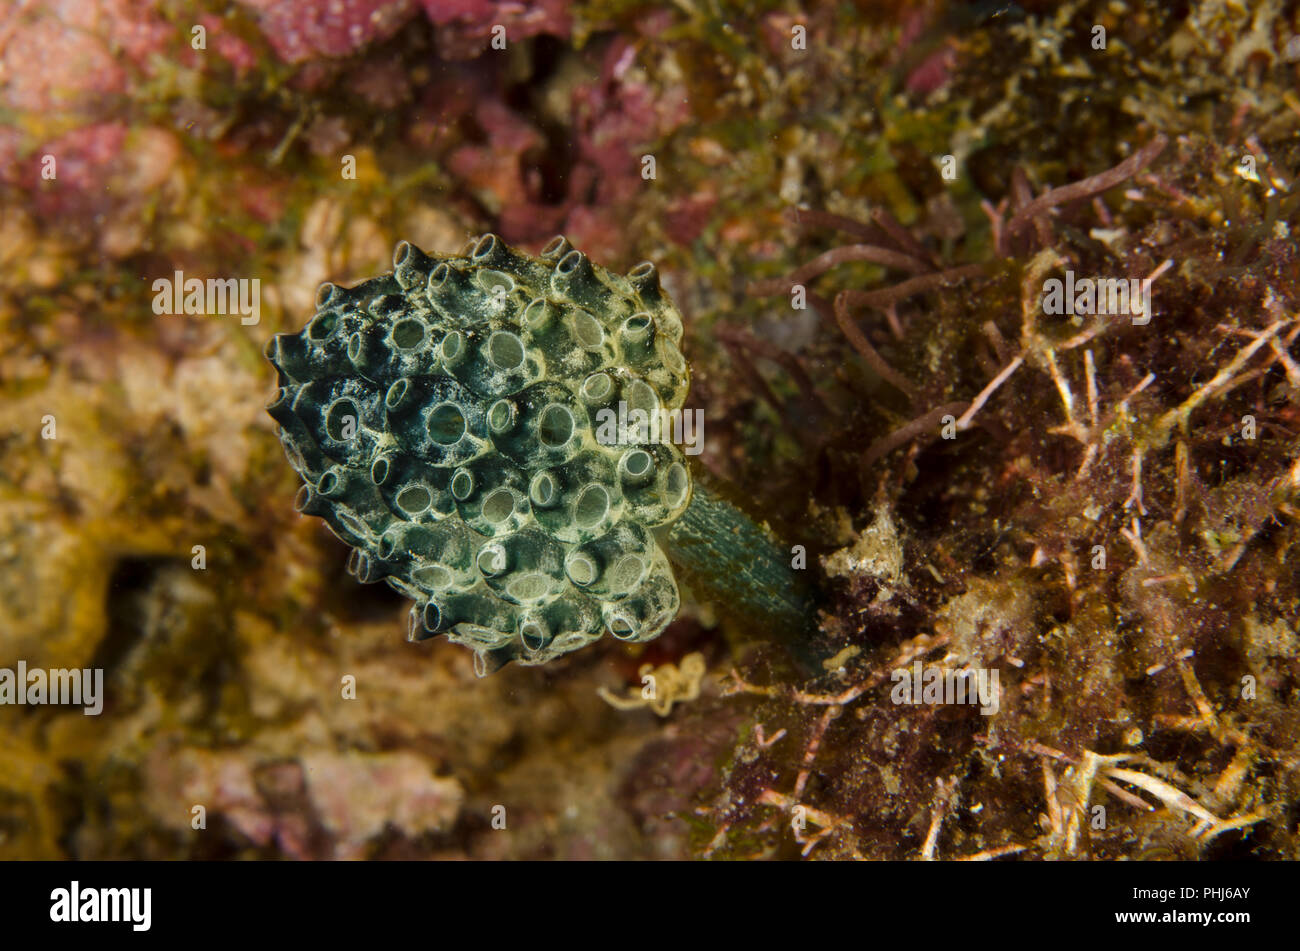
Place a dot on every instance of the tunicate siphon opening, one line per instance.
(413, 500)
(322, 326)
(408, 333)
(637, 327)
(501, 416)
(581, 568)
(597, 388)
(446, 424)
(396, 394)
(676, 484)
(592, 505)
(556, 247)
(534, 634)
(587, 330)
(570, 262)
(432, 577)
(341, 420)
(672, 357)
(292, 452)
(626, 574)
(462, 485)
(537, 314)
(453, 348)
(499, 506)
(544, 492)
(324, 294)
(641, 395)
(530, 586)
(505, 351)
(491, 560)
(351, 523)
(496, 283)
(622, 626)
(555, 425)
(329, 483)
(636, 466)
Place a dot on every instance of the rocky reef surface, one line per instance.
(861, 211)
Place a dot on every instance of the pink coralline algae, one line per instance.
(529, 19)
(228, 45)
(105, 172)
(320, 805)
(54, 70)
(84, 158)
(495, 168)
(67, 57)
(933, 72)
(467, 24)
(304, 29)
(616, 119)
(301, 30)
(68, 63)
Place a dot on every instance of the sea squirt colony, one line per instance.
(443, 420)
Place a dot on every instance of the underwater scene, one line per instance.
(621, 430)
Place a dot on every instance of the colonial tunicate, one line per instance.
(444, 420)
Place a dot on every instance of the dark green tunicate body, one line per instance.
(444, 420)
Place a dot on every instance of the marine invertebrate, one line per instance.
(483, 429)
(667, 684)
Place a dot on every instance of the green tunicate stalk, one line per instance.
(728, 556)
(448, 422)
